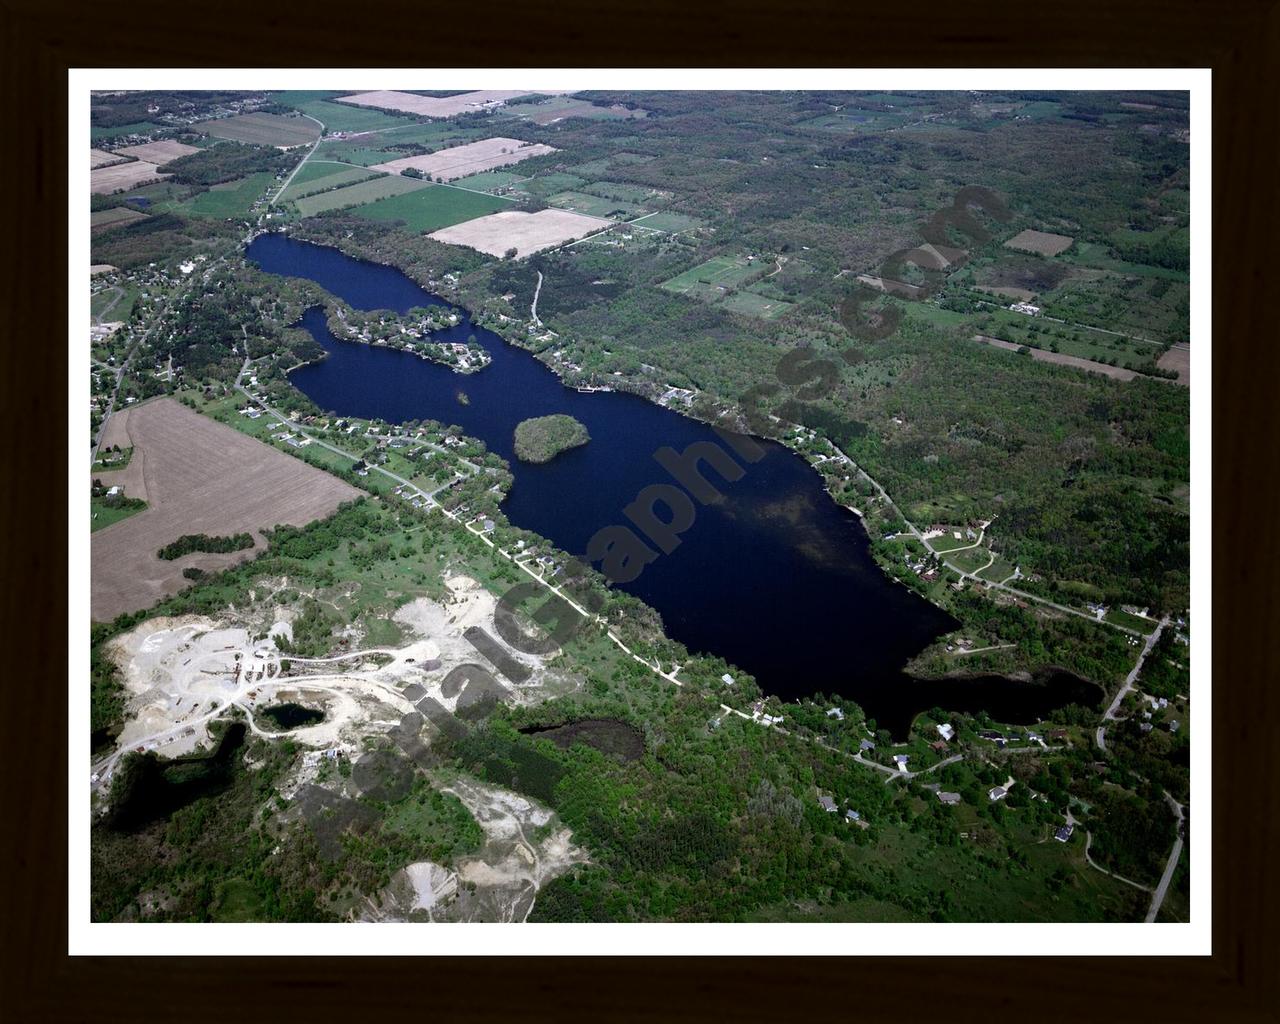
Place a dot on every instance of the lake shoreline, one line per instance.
(896, 687)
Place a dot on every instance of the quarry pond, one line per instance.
(775, 578)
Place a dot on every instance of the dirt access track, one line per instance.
(197, 476)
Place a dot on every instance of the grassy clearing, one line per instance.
(970, 560)
(997, 571)
(710, 280)
(673, 222)
(102, 515)
(230, 199)
(751, 304)
(343, 117)
(618, 190)
(1118, 618)
(431, 208)
(549, 184)
(949, 542)
(593, 206)
(358, 195)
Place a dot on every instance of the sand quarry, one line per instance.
(183, 673)
(524, 849)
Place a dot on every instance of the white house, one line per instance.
(947, 732)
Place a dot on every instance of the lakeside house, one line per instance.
(835, 713)
(947, 732)
(827, 804)
(901, 761)
(1063, 833)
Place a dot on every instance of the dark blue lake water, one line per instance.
(776, 578)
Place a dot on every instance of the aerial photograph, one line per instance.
(621, 506)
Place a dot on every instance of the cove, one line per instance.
(775, 578)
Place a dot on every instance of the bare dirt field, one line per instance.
(100, 219)
(101, 158)
(527, 233)
(432, 106)
(197, 476)
(1178, 359)
(560, 109)
(1118, 372)
(159, 153)
(265, 130)
(1041, 242)
(122, 177)
(472, 158)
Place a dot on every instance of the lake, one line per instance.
(775, 578)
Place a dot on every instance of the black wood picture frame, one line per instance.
(1238, 39)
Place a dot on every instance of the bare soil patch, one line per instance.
(265, 130)
(1041, 242)
(527, 233)
(471, 158)
(1178, 359)
(101, 158)
(121, 177)
(432, 106)
(197, 476)
(159, 153)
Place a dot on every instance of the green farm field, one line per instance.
(429, 209)
(323, 176)
(230, 199)
(708, 280)
(357, 195)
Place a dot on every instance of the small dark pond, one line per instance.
(291, 716)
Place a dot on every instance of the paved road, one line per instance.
(1158, 898)
(314, 146)
(1110, 714)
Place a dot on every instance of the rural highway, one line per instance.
(1110, 714)
(314, 146)
(1158, 898)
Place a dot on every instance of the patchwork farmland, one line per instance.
(527, 233)
(357, 195)
(197, 476)
(322, 175)
(471, 158)
(265, 130)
